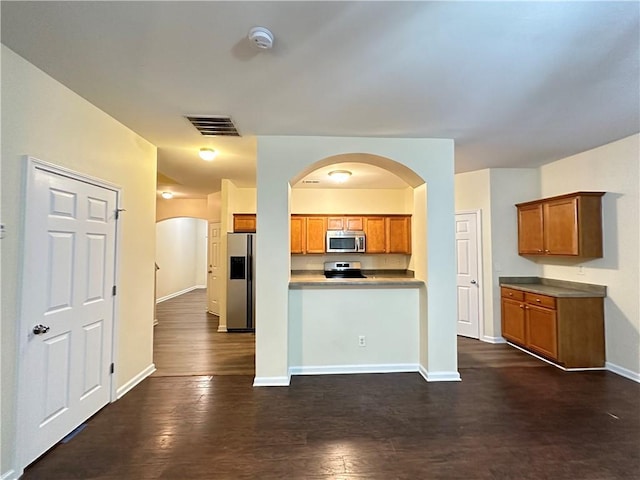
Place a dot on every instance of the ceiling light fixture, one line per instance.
(167, 195)
(340, 176)
(207, 154)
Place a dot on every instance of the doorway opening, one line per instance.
(187, 340)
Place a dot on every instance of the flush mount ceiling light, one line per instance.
(261, 37)
(340, 176)
(167, 195)
(207, 154)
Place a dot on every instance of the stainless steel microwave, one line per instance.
(339, 241)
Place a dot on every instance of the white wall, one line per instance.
(323, 336)
(508, 187)
(44, 119)
(315, 262)
(614, 169)
(181, 255)
(281, 159)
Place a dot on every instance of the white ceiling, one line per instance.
(514, 83)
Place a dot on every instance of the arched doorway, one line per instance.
(281, 159)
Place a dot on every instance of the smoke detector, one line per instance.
(261, 37)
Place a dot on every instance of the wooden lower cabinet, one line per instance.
(542, 331)
(567, 330)
(513, 324)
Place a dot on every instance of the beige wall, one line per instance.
(214, 206)
(495, 192)
(181, 207)
(612, 168)
(232, 200)
(355, 201)
(80, 137)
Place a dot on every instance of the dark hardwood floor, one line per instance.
(511, 417)
(186, 341)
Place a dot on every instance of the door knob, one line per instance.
(473, 282)
(40, 329)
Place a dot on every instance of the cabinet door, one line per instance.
(298, 230)
(244, 222)
(344, 223)
(353, 224)
(375, 234)
(513, 324)
(335, 223)
(561, 227)
(398, 235)
(530, 237)
(315, 234)
(542, 331)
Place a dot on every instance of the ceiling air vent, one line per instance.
(213, 126)
(311, 181)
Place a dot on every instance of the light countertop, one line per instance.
(379, 278)
(554, 288)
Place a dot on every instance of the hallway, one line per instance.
(186, 341)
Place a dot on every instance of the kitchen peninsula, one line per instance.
(355, 325)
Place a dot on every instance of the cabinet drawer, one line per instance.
(542, 300)
(511, 293)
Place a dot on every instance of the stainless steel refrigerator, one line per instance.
(241, 290)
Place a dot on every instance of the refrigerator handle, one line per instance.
(250, 267)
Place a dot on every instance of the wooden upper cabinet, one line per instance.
(375, 234)
(567, 225)
(316, 234)
(398, 230)
(561, 227)
(244, 222)
(298, 234)
(530, 239)
(345, 223)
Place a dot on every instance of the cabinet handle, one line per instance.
(538, 300)
(510, 294)
(521, 306)
(546, 251)
(539, 250)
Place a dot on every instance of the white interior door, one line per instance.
(213, 276)
(66, 327)
(468, 272)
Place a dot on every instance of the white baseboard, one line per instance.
(351, 369)
(177, 294)
(272, 381)
(222, 329)
(494, 340)
(124, 389)
(10, 475)
(201, 286)
(439, 376)
(623, 372)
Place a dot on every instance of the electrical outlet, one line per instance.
(362, 342)
(580, 270)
